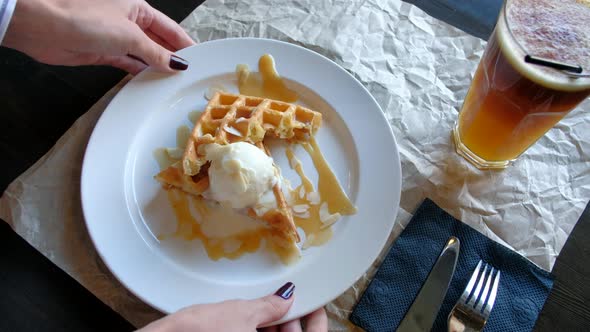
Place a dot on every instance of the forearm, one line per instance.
(31, 25)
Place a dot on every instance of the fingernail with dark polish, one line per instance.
(178, 63)
(286, 291)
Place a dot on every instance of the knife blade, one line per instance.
(426, 305)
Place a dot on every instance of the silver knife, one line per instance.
(424, 310)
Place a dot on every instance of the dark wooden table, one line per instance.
(38, 103)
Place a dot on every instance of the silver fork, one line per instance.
(473, 308)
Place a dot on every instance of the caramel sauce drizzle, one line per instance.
(330, 190)
(266, 83)
(312, 225)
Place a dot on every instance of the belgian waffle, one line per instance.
(232, 118)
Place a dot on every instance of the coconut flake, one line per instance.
(263, 208)
(301, 208)
(232, 131)
(326, 218)
(174, 153)
(265, 203)
(331, 220)
(302, 237)
(302, 192)
(313, 198)
(304, 215)
(241, 119)
(324, 213)
(259, 209)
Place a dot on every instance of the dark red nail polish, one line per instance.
(178, 63)
(286, 291)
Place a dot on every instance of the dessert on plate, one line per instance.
(225, 159)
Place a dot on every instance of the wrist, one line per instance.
(30, 20)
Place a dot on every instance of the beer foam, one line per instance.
(551, 29)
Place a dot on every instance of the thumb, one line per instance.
(154, 54)
(273, 307)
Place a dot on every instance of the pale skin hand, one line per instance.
(130, 34)
(127, 34)
(238, 315)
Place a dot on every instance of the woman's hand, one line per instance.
(240, 315)
(128, 34)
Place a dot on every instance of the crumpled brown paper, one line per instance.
(418, 69)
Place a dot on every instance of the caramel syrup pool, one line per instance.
(212, 222)
(317, 232)
(266, 83)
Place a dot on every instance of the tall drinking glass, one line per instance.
(534, 71)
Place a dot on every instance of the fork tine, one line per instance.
(485, 292)
(470, 284)
(493, 293)
(473, 301)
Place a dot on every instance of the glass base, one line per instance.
(474, 159)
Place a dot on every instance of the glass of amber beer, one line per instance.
(512, 102)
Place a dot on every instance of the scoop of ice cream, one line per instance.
(239, 174)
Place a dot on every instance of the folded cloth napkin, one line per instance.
(523, 288)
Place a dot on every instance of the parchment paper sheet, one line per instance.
(418, 69)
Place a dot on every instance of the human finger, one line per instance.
(168, 30)
(159, 40)
(273, 328)
(152, 53)
(271, 308)
(292, 326)
(127, 63)
(317, 321)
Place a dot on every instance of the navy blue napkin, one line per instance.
(522, 291)
(476, 17)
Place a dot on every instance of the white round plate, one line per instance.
(126, 209)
